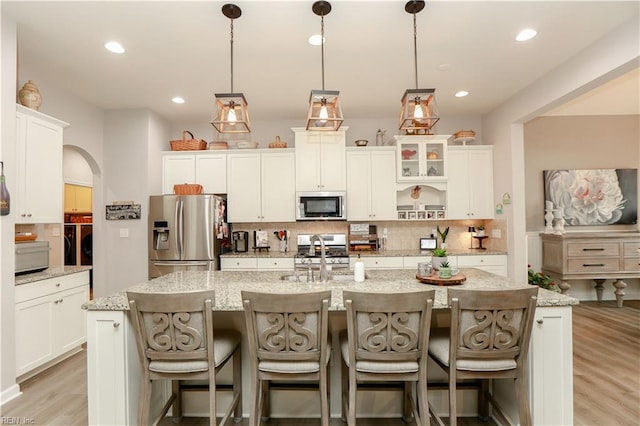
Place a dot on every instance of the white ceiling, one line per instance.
(181, 48)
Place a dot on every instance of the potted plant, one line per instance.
(480, 231)
(443, 235)
(541, 280)
(438, 256)
(445, 270)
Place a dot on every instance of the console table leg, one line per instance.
(599, 288)
(620, 286)
(564, 287)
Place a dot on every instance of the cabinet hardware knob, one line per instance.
(57, 284)
(116, 324)
(23, 215)
(540, 321)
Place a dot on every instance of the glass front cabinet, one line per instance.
(422, 158)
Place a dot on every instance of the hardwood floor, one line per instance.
(606, 381)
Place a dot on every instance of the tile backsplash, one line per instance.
(402, 235)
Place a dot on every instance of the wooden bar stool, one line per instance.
(488, 339)
(386, 342)
(288, 342)
(176, 341)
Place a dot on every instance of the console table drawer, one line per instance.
(593, 249)
(632, 265)
(594, 264)
(632, 249)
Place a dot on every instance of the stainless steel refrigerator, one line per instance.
(186, 233)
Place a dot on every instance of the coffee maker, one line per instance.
(240, 241)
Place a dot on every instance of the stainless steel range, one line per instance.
(336, 251)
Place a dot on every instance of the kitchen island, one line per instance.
(113, 369)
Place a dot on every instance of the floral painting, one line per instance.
(593, 196)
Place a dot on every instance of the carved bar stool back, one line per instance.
(386, 341)
(176, 341)
(288, 338)
(488, 339)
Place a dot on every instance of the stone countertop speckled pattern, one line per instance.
(385, 253)
(228, 285)
(52, 272)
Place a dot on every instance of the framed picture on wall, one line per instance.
(587, 197)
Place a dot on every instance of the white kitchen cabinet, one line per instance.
(470, 182)
(206, 169)
(320, 160)
(261, 186)
(39, 185)
(494, 263)
(422, 158)
(256, 263)
(550, 370)
(371, 187)
(50, 322)
(377, 262)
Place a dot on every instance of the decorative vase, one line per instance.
(29, 96)
(436, 261)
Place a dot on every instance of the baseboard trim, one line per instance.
(10, 394)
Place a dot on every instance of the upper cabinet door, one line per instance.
(211, 173)
(39, 187)
(422, 158)
(470, 183)
(320, 160)
(176, 170)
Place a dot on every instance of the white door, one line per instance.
(243, 188)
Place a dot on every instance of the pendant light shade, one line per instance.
(419, 111)
(232, 111)
(325, 112)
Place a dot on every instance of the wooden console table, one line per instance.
(592, 255)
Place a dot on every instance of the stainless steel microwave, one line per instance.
(321, 206)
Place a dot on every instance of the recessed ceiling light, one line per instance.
(316, 40)
(177, 100)
(526, 34)
(462, 94)
(114, 46)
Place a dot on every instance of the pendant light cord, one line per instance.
(322, 47)
(231, 42)
(415, 48)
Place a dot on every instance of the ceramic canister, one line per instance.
(29, 95)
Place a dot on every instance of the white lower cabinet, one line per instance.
(550, 370)
(494, 263)
(377, 262)
(50, 321)
(256, 263)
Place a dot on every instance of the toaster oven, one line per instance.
(32, 256)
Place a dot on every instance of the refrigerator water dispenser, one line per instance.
(161, 235)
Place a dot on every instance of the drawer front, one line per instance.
(411, 262)
(632, 265)
(375, 262)
(593, 265)
(276, 263)
(632, 249)
(482, 260)
(238, 263)
(50, 285)
(593, 249)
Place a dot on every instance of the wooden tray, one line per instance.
(436, 280)
(23, 238)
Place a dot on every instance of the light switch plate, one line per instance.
(496, 233)
(124, 232)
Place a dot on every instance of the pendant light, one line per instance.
(419, 111)
(232, 108)
(325, 112)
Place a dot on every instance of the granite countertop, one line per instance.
(227, 286)
(385, 253)
(52, 272)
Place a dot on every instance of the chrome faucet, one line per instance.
(324, 271)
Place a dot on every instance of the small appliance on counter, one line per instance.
(336, 251)
(240, 241)
(32, 256)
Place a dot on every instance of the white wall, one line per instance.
(75, 169)
(611, 56)
(8, 52)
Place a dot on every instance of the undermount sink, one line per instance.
(302, 277)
